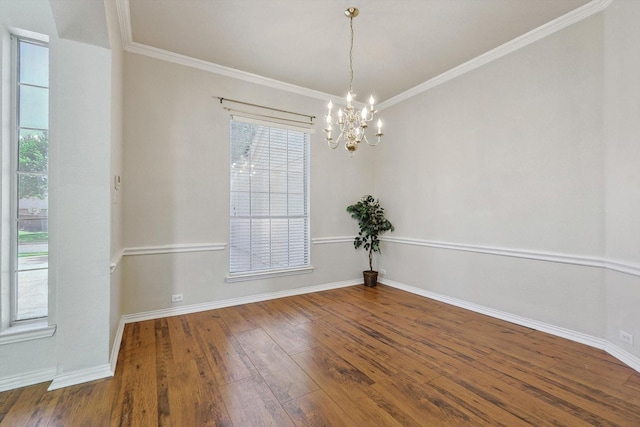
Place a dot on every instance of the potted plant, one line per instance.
(372, 223)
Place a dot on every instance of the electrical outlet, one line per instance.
(626, 337)
(383, 271)
(176, 298)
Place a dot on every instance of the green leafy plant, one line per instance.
(33, 159)
(372, 223)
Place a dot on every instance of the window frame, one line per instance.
(11, 329)
(257, 274)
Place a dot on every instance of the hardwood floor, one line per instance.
(348, 357)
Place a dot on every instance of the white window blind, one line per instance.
(269, 224)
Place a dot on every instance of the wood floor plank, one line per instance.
(291, 339)
(380, 363)
(9, 399)
(345, 310)
(183, 343)
(71, 409)
(421, 403)
(286, 311)
(428, 353)
(538, 412)
(345, 383)
(44, 408)
(633, 382)
(285, 378)
(481, 408)
(19, 411)
(251, 403)
(181, 405)
(317, 409)
(164, 359)
(308, 306)
(136, 405)
(210, 407)
(603, 385)
(374, 366)
(194, 397)
(353, 356)
(237, 318)
(574, 401)
(228, 361)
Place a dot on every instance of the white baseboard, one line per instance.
(105, 371)
(623, 356)
(115, 350)
(599, 343)
(80, 376)
(213, 305)
(24, 380)
(195, 308)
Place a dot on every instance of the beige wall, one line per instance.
(535, 153)
(515, 156)
(176, 190)
(622, 163)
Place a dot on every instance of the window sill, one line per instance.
(244, 277)
(20, 333)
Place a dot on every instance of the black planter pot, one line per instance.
(370, 278)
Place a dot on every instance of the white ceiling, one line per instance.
(398, 44)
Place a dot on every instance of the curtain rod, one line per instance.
(265, 107)
(233, 110)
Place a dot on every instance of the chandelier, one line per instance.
(352, 123)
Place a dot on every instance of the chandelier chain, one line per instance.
(351, 56)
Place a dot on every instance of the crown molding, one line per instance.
(526, 39)
(577, 15)
(221, 70)
(124, 21)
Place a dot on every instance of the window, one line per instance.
(269, 226)
(29, 182)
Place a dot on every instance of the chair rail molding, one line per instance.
(582, 260)
(165, 249)
(174, 248)
(331, 240)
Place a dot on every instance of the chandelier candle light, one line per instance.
(352, 123)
